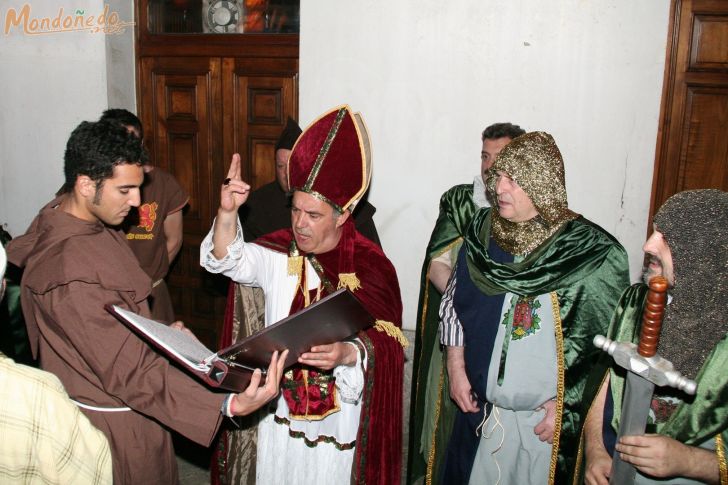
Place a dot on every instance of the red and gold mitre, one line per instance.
(331, 159)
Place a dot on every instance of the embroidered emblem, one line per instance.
(661, 408)
(147, 216)
(525, 317)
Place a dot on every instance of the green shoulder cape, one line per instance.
(431, 410)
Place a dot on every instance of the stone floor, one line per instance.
(193, 460)
(192, 474)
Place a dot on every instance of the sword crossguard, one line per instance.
(655, 369)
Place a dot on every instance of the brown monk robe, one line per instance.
(72, 269)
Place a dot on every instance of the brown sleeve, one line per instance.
(176, 197)
(104, 353)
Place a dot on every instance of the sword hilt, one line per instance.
(652, 317)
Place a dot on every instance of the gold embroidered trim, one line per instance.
(324, 150)
(295, 260)
(295, 265)
(722, 465)
(433, 442)
(423, 321)
(358, 475)
(349, 281)
(580, 451)
(320, 272)
(393, 331)
(320, 197)
(558, 333)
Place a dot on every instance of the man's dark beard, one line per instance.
(647, 275)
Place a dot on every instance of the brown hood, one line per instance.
(59, 248)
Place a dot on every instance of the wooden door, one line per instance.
(203, 96)
(261, 94)
(181, 104)
(197, 112)
(692, 145)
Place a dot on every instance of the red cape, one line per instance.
(379, 439)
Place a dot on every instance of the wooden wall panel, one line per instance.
(197, 112)
(263, 94)
(201, 98)
(709, 43)
(692, 144)
(703, 164)
(181, 100)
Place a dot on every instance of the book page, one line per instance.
(177, 342)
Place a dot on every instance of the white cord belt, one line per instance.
(103, 410)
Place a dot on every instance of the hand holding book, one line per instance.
(327, 357)
(312, 336)
(255, 395)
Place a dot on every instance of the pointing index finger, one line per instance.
(234, 171)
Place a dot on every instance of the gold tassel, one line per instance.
(349, 280)
(295, 265)
(393, 331)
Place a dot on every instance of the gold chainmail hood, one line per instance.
(534, 162)
(694, 224)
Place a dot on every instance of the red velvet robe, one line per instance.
(379, 439)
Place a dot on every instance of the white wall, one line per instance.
(120, 60)
(429, 76)
(50, 83)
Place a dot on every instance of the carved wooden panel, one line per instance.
(692, 145)
(709, 43)
(265, 106)
(703, 162)
(265, 94)
(261, 165)
(179, 118)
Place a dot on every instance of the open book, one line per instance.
(335, 317)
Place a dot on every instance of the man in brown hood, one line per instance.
(76, 261)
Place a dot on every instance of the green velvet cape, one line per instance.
(431, 410)
(693, 422)
(585, 270)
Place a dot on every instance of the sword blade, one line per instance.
(635, 409)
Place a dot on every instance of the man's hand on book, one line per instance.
(255, 396)
(327, 357)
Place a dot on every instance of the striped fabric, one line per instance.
(451, 331)
(44, 438)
